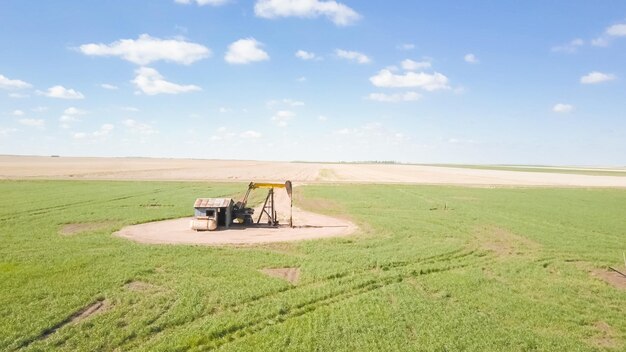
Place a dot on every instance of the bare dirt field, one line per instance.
(307, 225)
(27, 167)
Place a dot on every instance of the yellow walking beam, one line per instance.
(254, 185)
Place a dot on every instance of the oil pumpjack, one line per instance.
(213, 213)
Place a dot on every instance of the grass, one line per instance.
(433, 269)
(327, 175)
(545, 169)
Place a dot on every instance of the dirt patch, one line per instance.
(307, 225)
(73, 229)
(140, 286)
(290, 274)
(96, 308)
(606, 337)
(610, 277)
(504, 243)
(177, 231)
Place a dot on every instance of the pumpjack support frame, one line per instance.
(268, 205)
(268, 209)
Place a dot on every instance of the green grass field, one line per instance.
(544, 169)
(432, 269)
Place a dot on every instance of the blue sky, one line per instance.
(515, 82)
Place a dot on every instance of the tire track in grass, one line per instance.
(94, 201)
(345, 274)
(239, 306)
(299, 309)
(96, 306)
(238, 331)
(74, 318)
(392, 275)
(46, 210)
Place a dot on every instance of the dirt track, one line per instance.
(18, 167)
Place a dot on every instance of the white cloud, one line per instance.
(6, 83)
(39, 109)
(70, 115)
(459, 90)
(406, 46)
(322, 118)
(602, 41)
(250, 134)
(339, 13)
(139, 128)
(617, 30)
(7, 131)
(426, 81)
(18, 113)
(570, 47)
(596, 77)
(74, 111)
(129, 108)
(109, 86)
(284, 102)
(147, 49)
(38, 123)
(292, 102)
(224, 110)
(305, 55)
(18, 95)
(394, 98)
(223, 134)
(151, 82)
(203, 2)
(101, 133)
(245, 51)
(353, 56)
(410, 65)
(461, 141)
(372, 132)
(562, 108)
(61, 92)
(281, 118)
(104, 130)
(470, 58)
(66, 121)
(68, 118)
(301, 79)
